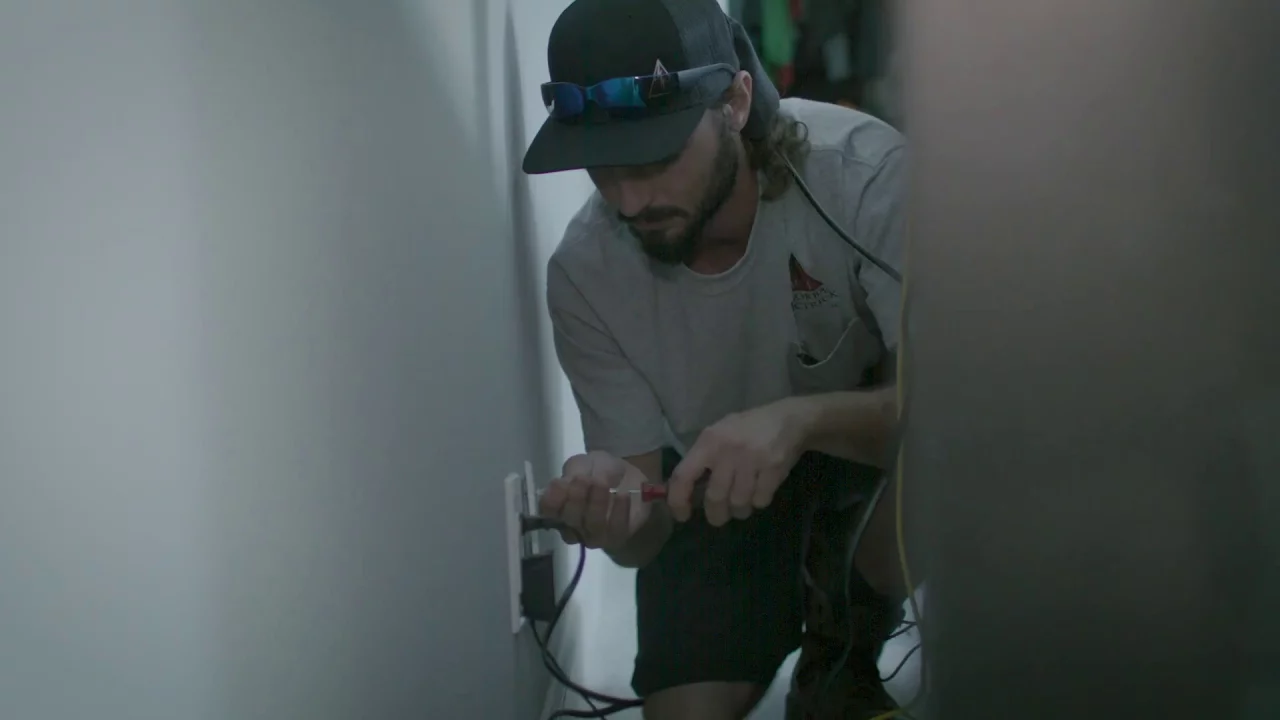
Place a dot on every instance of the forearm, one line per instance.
(647, 542)
(857, 426)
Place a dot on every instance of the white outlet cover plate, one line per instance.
(531, 505)
(515, 498)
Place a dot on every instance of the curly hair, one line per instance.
(787, 138)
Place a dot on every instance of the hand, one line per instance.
(748, 454)
(580, 498)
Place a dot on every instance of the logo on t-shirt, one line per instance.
(807, 292)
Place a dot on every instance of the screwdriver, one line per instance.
(650, 492)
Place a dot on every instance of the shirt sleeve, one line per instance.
(880, 226)
(619, 410)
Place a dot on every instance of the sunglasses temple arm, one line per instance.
(685, 78)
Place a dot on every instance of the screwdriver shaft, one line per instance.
(649, 492)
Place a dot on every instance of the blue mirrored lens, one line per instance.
(618, 93)
(565, 100)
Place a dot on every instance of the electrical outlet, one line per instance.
(531, 507)
(515, 499)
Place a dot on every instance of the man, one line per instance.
(713, 326)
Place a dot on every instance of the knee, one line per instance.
(877, 558)
(704, 701)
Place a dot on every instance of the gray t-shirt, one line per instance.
(655, 354)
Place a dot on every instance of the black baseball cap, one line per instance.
(598, 40)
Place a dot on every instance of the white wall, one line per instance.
(263, 364)
(552, 201)
(604, 602)
(495, 59)
(495, 62)
(554, 198)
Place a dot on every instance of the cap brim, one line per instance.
(561, 146)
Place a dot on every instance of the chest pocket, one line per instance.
(833, 350)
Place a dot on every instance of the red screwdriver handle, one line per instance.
(652, 491)
(658, 491)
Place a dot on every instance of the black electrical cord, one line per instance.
(906, 627)
(612, 704)
(901, 663)
(548, 658)
(822, 212)
(590, 697)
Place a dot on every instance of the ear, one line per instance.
(739, 106)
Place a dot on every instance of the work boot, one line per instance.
(855, 691)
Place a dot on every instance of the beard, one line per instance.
(683, 247)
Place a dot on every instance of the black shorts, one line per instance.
(727, 604)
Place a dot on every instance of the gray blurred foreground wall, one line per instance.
(1094, 449)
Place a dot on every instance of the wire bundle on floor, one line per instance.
(608, 703)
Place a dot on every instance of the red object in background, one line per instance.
(787, 74)
(786, 77)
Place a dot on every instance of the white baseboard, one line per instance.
(556, 696)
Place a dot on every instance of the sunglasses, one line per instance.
(624, 94)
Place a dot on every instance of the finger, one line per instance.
(577, 466)
(715, 502)
(550, 504)
(680, 485)
(619, 525)
(575, 504)
(765, 488)
(596, 516)
(740, 496)
(553, 498)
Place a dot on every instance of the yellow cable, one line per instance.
(902, 549)
(898, 475)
